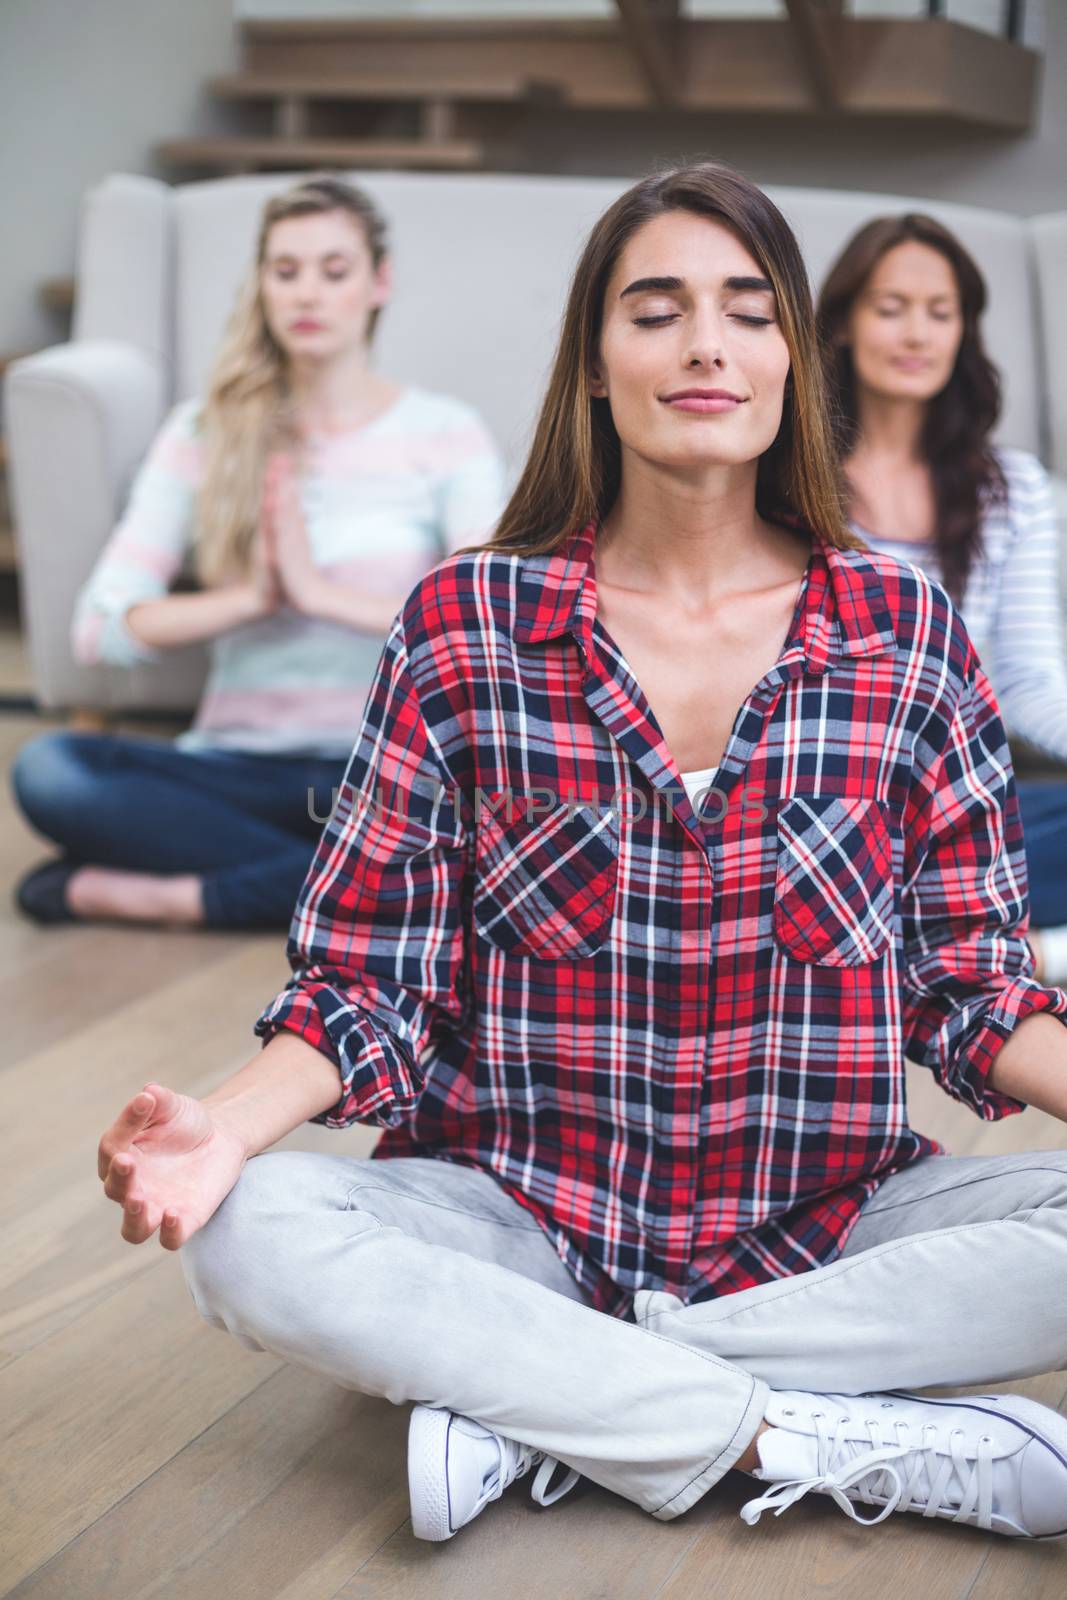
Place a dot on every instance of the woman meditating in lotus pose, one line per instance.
(915, 399)
(646, 1202)
(313, 493)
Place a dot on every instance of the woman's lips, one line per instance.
(701, 404)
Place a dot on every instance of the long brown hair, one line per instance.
(249, 410)
(964, 470)
(573, 470)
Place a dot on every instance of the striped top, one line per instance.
(1012, 606)
(383, 504)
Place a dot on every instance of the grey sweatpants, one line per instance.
(421, 1280)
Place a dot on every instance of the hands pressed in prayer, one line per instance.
(284, 545)
(287, 549)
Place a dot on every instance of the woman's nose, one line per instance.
(704, 349)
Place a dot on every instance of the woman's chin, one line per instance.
(695, 461)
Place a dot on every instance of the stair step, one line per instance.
(294, 30)
(352, 86)
(914, 68)
(237, 152)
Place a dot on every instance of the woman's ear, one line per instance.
(597, 387)
(383, 282)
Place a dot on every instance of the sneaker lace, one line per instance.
(926, 1485)
(516, 1460)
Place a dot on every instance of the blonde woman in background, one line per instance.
(314, 493)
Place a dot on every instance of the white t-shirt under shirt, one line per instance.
(1012, 605)
(383, 504)
(696, 783)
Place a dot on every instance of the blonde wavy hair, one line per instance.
(249, 410)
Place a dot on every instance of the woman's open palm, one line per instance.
(168, 1164)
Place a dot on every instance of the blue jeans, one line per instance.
(1044, 813)
(416, 1279)
(244, 823)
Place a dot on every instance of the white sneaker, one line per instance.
(995, 1461)
(456, 1466)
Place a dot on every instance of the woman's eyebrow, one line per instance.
(328, 255)
(671, 285)
(898, 294)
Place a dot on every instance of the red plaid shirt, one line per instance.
(678, 1040)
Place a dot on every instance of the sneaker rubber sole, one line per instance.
(428, 1473)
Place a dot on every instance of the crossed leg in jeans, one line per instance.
(421, 1280)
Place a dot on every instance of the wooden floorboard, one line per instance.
(146, 1454)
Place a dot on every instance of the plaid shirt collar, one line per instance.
(842, 609)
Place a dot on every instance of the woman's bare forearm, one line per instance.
(1031, 1064)
(285, 1085)
(351, 608)
(177, 619)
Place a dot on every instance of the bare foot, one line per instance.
(136, 896)
(750, 1460)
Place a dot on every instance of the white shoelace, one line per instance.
(512, 1465)
(972, 1500)
(542, 1478)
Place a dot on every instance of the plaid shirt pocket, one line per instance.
(834, 886)
(547, 888)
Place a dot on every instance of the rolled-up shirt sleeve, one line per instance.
(377, 942)
(968, 969)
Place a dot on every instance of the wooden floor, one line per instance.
(147, 1454)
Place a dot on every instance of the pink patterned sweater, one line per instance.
(383, 504)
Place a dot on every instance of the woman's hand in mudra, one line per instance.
(265, 578)
(169, 1163)
(285, 532)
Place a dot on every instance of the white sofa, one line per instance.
(482, 264)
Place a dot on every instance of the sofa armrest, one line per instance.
(79, 418)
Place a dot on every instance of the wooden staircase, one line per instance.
(324, 109)
(463, 94)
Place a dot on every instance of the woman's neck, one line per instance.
(890, 428)
(692, 540)
(333, 396)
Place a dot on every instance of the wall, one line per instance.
(87, 89)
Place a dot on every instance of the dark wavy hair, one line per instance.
(574, 468)
(959, 420)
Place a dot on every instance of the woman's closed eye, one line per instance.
(894, 311)
(287, 276)
(655, 322)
